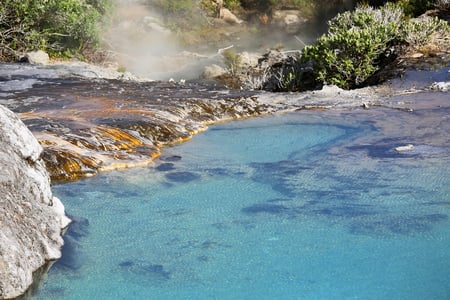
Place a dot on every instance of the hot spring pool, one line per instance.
(281, 207)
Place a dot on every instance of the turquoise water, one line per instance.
(280, 207)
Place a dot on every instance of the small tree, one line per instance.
(232, 60)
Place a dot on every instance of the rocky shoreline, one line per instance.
(89, 124)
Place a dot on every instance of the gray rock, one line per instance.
(213, 71)
(31, 219)
(37, 58)
(249, 60)
(290, 20)
(154, 24)
(226, 15)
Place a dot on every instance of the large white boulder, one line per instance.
(31, 219)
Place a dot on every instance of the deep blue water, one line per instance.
(282, 207)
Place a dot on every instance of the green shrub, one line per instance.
(418, 32)
(232, 61)
(232, 4)
(356, 45)
(57, 26)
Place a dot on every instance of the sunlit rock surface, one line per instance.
(89, 125)
(31, 219)
(37, 57)
(92, 124)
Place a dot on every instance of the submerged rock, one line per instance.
(182, 176)
(165, 167)
(31, 219)
(266, 208)
(144, 272)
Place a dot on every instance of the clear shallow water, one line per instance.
(271, 208)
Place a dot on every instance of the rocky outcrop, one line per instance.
(290, 20)
(213, 71)
(36, 58)
(110, 124)
(31, 219)
(226, 15)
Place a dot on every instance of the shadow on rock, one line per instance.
(72, 254)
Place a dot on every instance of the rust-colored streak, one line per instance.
(122, 140)
(86, 109)
(67, 166)
(99, 126)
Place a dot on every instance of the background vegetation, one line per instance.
(357, 46)
(359, 43)
(60, 27)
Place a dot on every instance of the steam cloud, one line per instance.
(141, 44)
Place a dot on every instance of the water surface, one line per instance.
(282, 207)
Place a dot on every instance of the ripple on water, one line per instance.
(273, 226)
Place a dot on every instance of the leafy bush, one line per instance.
(291, 75)
(232, 61)
(418, 32)
(356, 46)
(57, 26)
(231, 4)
